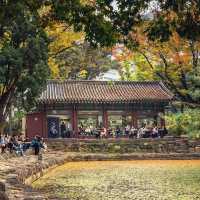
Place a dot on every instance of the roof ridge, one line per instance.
(101, 81)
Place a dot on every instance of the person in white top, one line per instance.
(103, 132)
(133, 132)
(141, 132)
(127, 129)
(155, 132)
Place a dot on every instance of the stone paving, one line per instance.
(16, 171)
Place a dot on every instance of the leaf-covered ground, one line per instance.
(122, 180)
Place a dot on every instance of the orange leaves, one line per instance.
(120, 53)
(180, 58)
(176, 40)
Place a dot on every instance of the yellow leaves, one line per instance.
(183, 91)
(88, 2)
(62, 37)
(6, 38)
(83, 74)
(122, 180)
(45, 10)
(54, 69)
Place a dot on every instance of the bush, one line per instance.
(186, 122)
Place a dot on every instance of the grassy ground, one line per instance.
(122, 180)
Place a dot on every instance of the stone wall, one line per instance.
(166, 145)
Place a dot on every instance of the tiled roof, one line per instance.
(104, 92)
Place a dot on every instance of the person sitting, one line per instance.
(133, 132)
(127, 130)
(155, 132)
(12, 143)
(80, 130)
(140, 133)
(96, 132)
(43, 144)
(103, 132)
(88, 131)
(112, 132)
(117, 131)
(26, 144)
(147, 131)
(19, 148)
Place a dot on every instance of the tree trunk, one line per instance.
(5, 102)
(2, 123)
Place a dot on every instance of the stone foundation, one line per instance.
(166, 145)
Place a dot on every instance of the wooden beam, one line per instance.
(162, 120)
(134, 116)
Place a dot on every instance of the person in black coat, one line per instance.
(63, 129)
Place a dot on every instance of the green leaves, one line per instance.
(83, 61)
(186, 122)
(23, 54)
(194, 80)
(159, 30)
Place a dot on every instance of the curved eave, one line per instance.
(105, 102)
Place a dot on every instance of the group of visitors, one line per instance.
(19, 144)
(146, 131)
(130, 131)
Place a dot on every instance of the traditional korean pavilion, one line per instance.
(93, 104)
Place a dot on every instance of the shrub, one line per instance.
(186, 122)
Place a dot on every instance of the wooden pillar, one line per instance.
(162, 120)
(75, 122)
(134, 119)
(105, 119)
(155, 119)
(97, 122)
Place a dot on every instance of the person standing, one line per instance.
(69, 129)
(36, 144)
(3, 143)
(63, 129)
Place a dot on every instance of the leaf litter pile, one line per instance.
(122, 180)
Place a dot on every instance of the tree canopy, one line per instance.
(83, 61)
(23, 53)
(27, 28)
